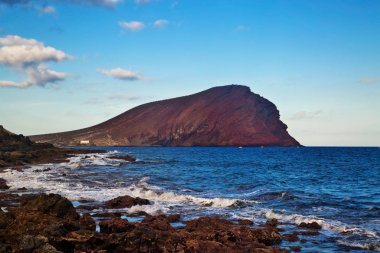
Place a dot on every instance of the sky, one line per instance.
(66, 65)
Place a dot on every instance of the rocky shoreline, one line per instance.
(50, 223)
(41, 223)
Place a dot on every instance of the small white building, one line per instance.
(84, 142)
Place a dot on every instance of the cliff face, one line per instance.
(222, 116)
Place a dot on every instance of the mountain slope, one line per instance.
(221, 116)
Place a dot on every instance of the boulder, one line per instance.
(126, 201)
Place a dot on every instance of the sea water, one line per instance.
(339, 188)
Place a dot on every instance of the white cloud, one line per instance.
(305, 115)
(160, 23)
(17, 51)
(132, 26)
(122, 74)
(368, 80)
(29, 56)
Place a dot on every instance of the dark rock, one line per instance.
(87, 222)
(311, 225)
(291, 237)
(124, 157)
(245, 222)
(308, 233)
(52, 204)
(3, 184)
(86, 207)
(116, 225)
(230, 115)
(126, 201)
(272, 223)
(295, 248)
(5, 219)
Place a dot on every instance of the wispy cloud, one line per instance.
(160, 23)
(133, 26)
(305, 115)
(368, 80)
(30, 56)
(122, 74)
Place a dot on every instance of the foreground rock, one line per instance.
(229, 115)
(126, 201)
(3, 184)
(49, 223)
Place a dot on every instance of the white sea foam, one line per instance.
(326, 224)
(365, 246)
(52, 181)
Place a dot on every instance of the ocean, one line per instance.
(337, 187)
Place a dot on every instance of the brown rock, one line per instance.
(116, 225)
(295, 248)
(229, 115)
(272, 222)
(311, 225)
(124, 157)
(126, 201)
(291, 237)
(3, 184)
(87, 222)
(245, 222)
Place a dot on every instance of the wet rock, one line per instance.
(52, 204)
(42, 170)
(116, 225)
(28, 242)
(87, 222)
(160, 222)
(245, 222)
(87, 207)
(272, 222)
(293, 237)
(3, 184)
(308, 233)
(124, 157)
(126, 201)
(311, 225)
(295, 248)
(5, 219)
(303, 241)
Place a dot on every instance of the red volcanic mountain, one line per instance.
(222, 116)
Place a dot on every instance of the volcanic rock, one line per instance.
(311, 225)
(126, 201)
(221, 116)
(3, 184)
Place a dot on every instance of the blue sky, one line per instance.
(317, 60)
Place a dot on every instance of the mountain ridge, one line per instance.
(228, 115)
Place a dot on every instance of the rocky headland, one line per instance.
(18, 150)
(229, 115)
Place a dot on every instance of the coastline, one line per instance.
(129, 232)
